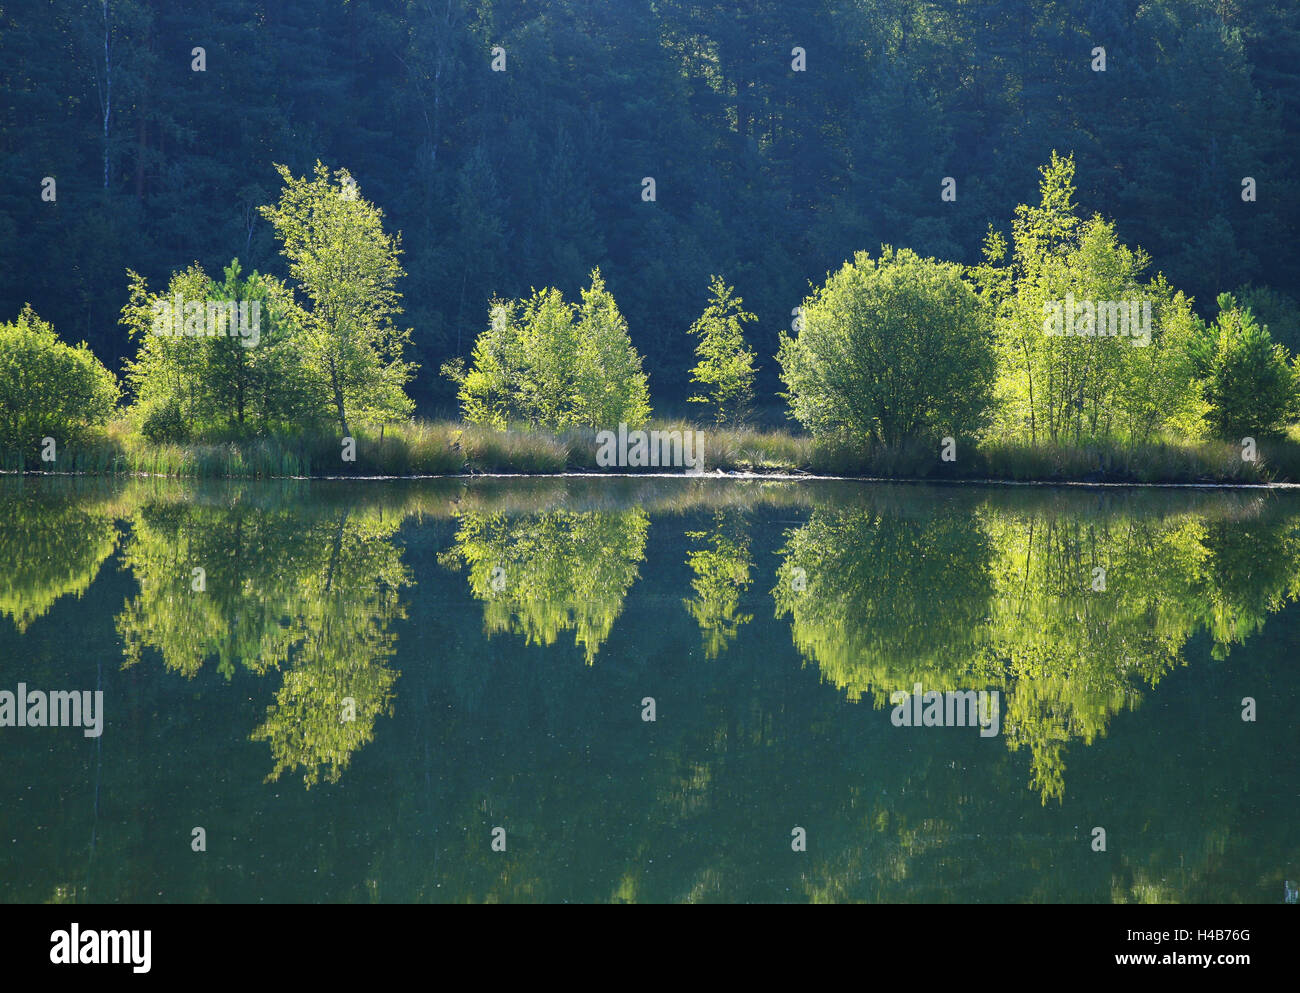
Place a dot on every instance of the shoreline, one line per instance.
(717, 475)
(454, 449)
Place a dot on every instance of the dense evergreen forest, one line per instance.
(509, 141)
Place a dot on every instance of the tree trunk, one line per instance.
(107, 103)
(338, 399)
(343, 417)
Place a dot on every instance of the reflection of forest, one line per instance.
(896, 586)
(1070, 616)
(51, 545)
(311, 592)
(974, 593)
(721, 563)
(541, 574)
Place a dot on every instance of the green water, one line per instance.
(375, 676)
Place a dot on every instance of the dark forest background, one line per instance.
(502, 181)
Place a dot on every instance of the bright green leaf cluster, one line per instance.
(891, 348)
(726, 364)
(547, 363)
(49, 388)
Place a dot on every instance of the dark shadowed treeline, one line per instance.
(531, 176)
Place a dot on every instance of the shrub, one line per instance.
(239, 375)
(1248, 383)
(49, 388)
(891, 348)
(548, 363)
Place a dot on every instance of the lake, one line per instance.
(647, 690)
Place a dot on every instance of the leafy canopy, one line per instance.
(891, 348)
(726, 364)
(548, 363)
(246, 377)
(49, 388)
(347, 266)
(1250, 387)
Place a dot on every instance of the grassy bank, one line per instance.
(451, 448)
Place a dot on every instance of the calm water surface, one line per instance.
(375, 676)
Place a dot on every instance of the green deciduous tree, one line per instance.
(217, 356)
(726, 363)
(347, 266)
(1086, 349)
(49, 388)
(891, 348)
(1248, 383)
(548, 363)
(1277, 313)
